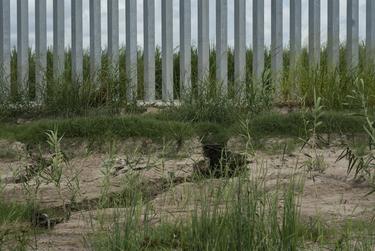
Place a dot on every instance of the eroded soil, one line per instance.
(329, 193)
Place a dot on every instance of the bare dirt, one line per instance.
(331, 193)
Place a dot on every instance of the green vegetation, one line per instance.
(174, 128)
(10, 213)
(362, 163)
(297, 87)
(240, 214)
(237, 213)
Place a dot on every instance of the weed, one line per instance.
(14, 212)
(361, 164)
(56, 174)
(313, 139)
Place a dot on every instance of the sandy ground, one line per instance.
(332, 194)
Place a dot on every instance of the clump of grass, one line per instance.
(313, 139)
(15, 233)
(362, 164)
(12, 212)
(249, 221)
(239, 215)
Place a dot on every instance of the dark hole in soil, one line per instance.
(222, 162)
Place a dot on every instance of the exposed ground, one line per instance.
(167, 180)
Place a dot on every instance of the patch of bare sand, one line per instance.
(91, 173)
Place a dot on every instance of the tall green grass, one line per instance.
(297, 85)
(237, 215)
(12, 212)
